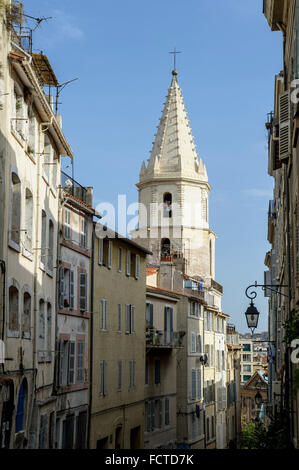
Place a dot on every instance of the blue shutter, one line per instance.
(152, 314)
(171, 319)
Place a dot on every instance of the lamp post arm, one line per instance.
(252, 295)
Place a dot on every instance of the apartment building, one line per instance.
(282, 259)
(117, 344)
(73, 316)
(31, 145)
(233, 380)
(162, 343)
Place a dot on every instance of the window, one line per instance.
(104, 315)
(42, 330)
(193, 343)
(223, 360)
(157, 372)
(120, 255)
(66, 288)
(83, 232)
(193, 309)
(14, 309)
(246, 368)
(49, 331)
(206, 320)
(67, 224)
(26, 318)
(246, 357)
(167, 202)
(207, 352)
(21, 407)
(132, 374)
(159, 412)
(137, 267)
(167, 412)
(211, 355)
(165, 247)
(83, 291)
(47, 158)
(246, 377)
(149, 315)
(31, 148)
(43, 255)
(103, 378)
(130, 319)
(119, 376)
(71, 370)
(18, 113)
(208, 429)
(28, 220)
(63, 362)
(193, 384)
(15, 228)
(80, 361)
(119, 318)
(128, 263)
(247, 347)
(213, 426)
(51, 245)
(199, 344)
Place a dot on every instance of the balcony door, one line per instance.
(168, 325)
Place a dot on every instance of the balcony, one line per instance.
(163, 339)
(216, 286)
(273, 11)
(72, 187)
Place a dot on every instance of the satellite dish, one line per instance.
(204, 359)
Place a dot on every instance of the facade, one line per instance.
(174, 225)
(162, 344)
(283, 258)
(31, 143)
(117, 345)
(252, 410)
(72, 341)
(233, 378)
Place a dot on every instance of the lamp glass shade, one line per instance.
(252, 316)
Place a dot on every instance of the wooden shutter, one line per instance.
(137, 267)
(128, 263)
(128, 312)
(132, 325)
(119, 317)
(101, 251)
(152, 314)
(198, 383)
(83, 292)
(193, 384)
(119, 378)
(104, 314)
(72, 293)
(71, 374)
(284, 126)
(61, 287)
(80, 361)
(193, 343)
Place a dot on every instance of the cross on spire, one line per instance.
(175, 52)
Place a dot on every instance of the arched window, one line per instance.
(13, 308)
(26, 318)
(15, 208)
(28, 219)
(167, 200)
(22, 406)
(51, 245)
(165, 247)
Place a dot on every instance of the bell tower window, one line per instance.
(167, 200)
(165, 247)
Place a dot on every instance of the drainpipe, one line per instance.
(91, 336)
(29, 57)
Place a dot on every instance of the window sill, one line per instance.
(27, 254)
(32, 156)
(14, 246)
(13, 334)
(18, 138)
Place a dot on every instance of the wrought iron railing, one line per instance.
(74, 188)
(162, 339)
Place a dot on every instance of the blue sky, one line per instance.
(119, 50)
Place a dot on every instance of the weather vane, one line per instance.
(175, 52)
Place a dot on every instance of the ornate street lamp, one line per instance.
(252, 317)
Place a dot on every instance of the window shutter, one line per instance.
(167, 414)
(137, 267)
(101, 251)
(128, 263)
(80, 358)
(153, 415)
(103, 375)
(128, 312)
(61, 287)
(110, 247)
(152, 314)
(120, 365)
(193, 343)
(83, 293)
(160, 413)
(60, 378)
(284, 126)
(119, 317)
(120, 253)
(198, 344)
(72, 290)
(198, 380)
(132, 326)
(71, 375)
(103, 314)
(193, 384)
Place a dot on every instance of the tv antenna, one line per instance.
(38, 20)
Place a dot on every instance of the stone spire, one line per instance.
(174, 153)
